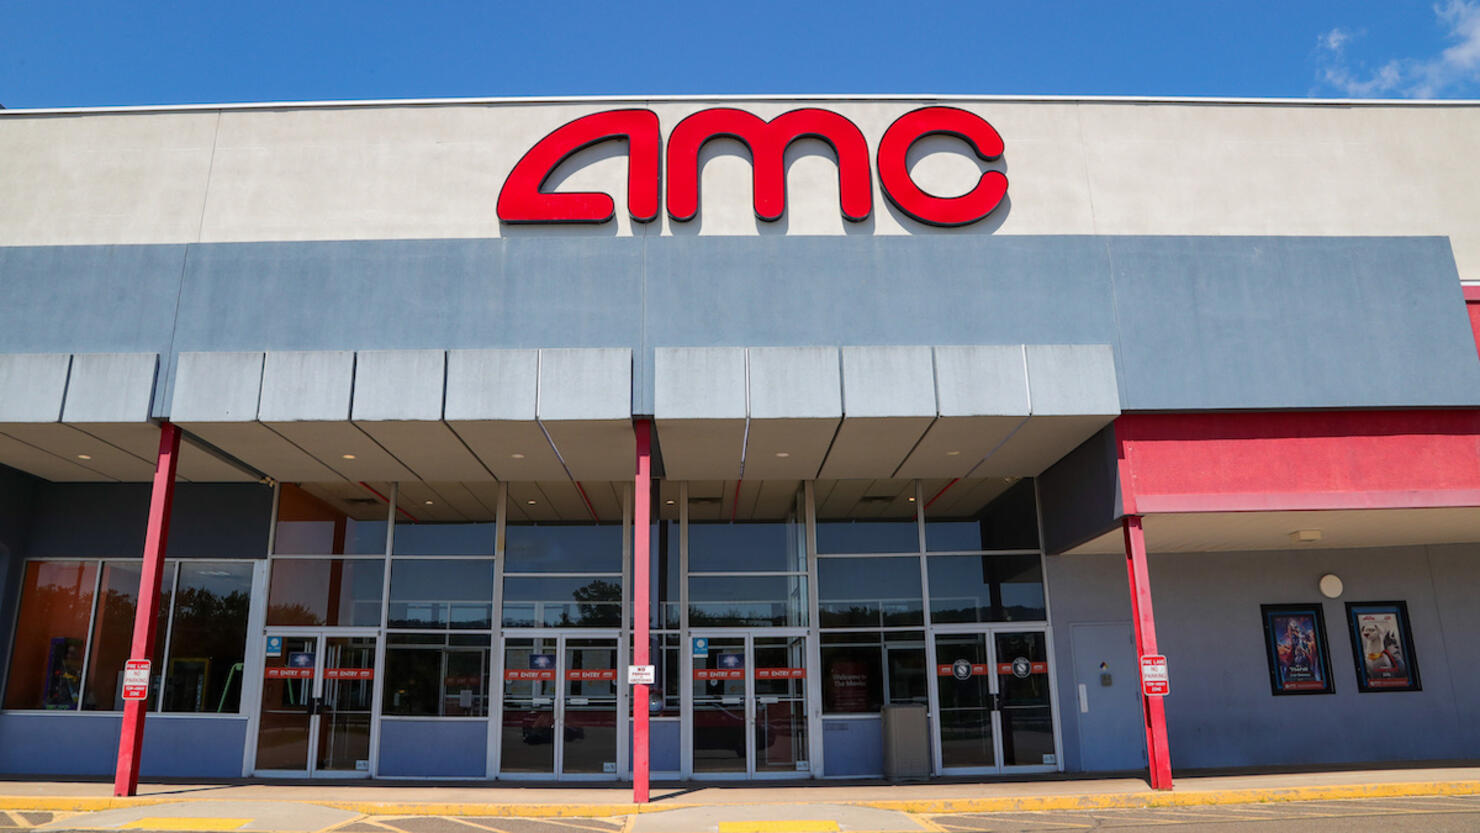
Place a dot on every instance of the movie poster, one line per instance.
(1295, 642)
(1382, 644)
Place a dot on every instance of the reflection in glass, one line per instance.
(441, 593)
(747, 601)
(986, 588)
(863, 537)
(309, 526)
(664, 572)
(746, 547)
(113, 634)
(325, 591)
(869, 592)
(1008, 522)
(575, 548)
(209, 637)
(436, 675)
(51, 635)
(444, 538)
(663, 653)
(562, 601)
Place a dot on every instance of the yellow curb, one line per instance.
(82, 804)
(1189, 798)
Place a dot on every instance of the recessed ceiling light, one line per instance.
(783, 454)
(517, 456)
(669, 502)
(912, 500)
(953, 454)
(347, 456)
(84, 456)
(1307, 536)
(530, 502)
(427, 502)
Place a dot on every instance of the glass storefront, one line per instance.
(389, 615)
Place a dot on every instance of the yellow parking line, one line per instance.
(796, 826)
(185, 823)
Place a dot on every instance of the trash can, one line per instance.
(906, 743)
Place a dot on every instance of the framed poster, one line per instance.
(1382, 643)
(1295, 643)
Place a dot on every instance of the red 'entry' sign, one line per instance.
(1154, 679)
(136, 679)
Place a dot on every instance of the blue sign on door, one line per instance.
(701, 647)
(274, 646)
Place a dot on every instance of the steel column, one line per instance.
(156, 537)
(641, 557)
(1158, 758)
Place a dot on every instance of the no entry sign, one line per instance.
(1154, 679)
(136, 679)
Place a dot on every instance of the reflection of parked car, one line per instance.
(538, 727)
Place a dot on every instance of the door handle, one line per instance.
(996, 702)
(315, 706)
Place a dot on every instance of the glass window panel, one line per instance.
(325, 591)
(863, 670)
(741, 601)
(307, 525)
(444, 539)
(441, 593)
(867, 536)
(583, 548)
(209, 638)
(562, 601)
(664, 575)
(424, 677)
(870, 592)
(663, 653)
(746, 547)
(113, 634)
(1009, 521)
(986, 588)
(51, 635)
(852, 673)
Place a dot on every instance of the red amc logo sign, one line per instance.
(525, 200)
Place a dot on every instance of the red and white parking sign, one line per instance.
(1154, 679)
(136, 679)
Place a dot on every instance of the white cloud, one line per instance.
(1457, 66)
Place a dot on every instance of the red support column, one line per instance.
(641, 556)
(1158, 758)
(131, 740)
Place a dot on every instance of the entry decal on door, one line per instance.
(529, 673)
(591, 674)
(349, 673)
(961, 669)
(286, 673)
(780, 673)
(1022, 668)
(719, 673)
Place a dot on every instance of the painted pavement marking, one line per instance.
(205, 823)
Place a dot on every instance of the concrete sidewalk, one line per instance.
(501, 799)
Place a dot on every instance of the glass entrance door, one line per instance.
(994, 702)
(562, 708)
(318, 693)
(748, 712)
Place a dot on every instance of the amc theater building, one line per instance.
(829, 407)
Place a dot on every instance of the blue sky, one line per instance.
(59, 53)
